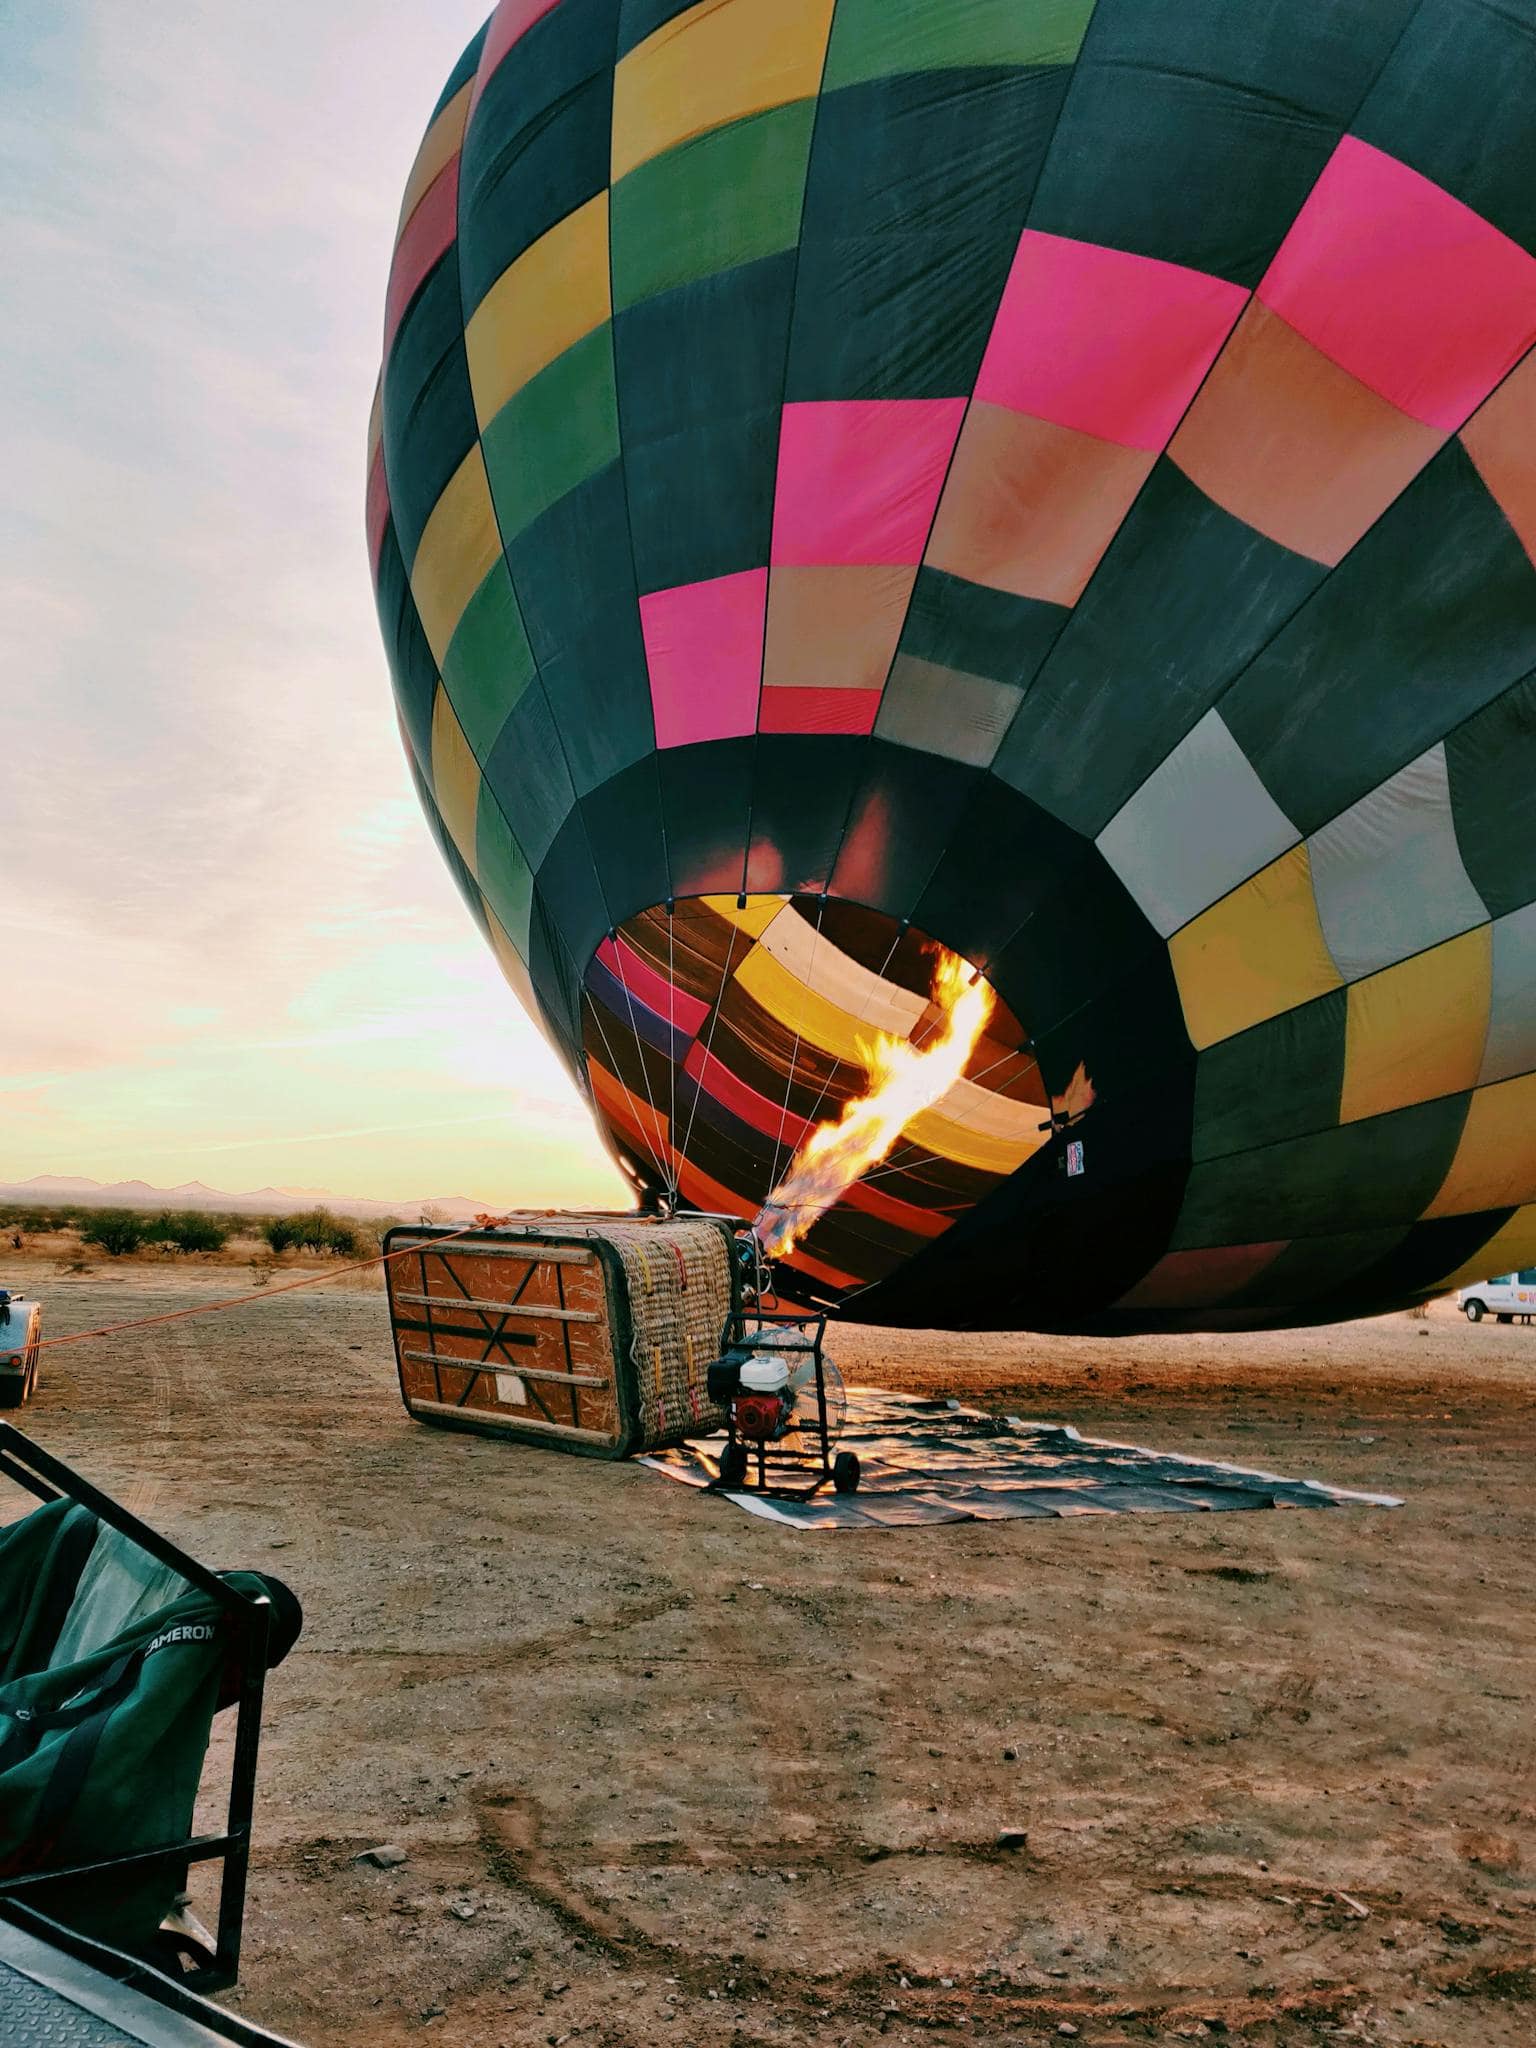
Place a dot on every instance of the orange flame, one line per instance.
(904, 1079)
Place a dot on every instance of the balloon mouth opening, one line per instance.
(732, 1043)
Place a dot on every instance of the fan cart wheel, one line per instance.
(733, 1466)
(845, 1473)
(1475, 1311)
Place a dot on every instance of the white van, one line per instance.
(1511, 1295)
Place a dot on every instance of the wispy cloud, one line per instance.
(229, 912)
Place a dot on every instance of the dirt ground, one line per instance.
(665, 1772)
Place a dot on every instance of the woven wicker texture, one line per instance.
(679, 1292)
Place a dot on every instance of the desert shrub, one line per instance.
(193, 1230)
(263, 1266)
(117, 1231)
(314, 1230)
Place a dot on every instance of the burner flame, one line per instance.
(904, 1079)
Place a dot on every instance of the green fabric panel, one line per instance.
(506, 880)
(873, 38)
(722, 199)
(1383, 1170)
(561, 428)
(489, 663)
(1284, 1077)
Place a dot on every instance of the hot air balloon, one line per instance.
(877, 505)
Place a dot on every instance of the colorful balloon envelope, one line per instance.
(864, 485)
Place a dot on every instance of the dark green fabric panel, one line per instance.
(558, 984)
(429, 409)
(462, 72)
(626, 833)
(463, 880)
(1492, 765)
(1131, 1044)
(572, 890)
(1003, 859)
(539, 143)
(802, 785)
(1315, 1269)
(1083, 938)
(575, 583)
(1284, 1077)
(917, 192)
(1184, 598)
(1418, 1262)
(411, 666)
(506, 880)
(1361, 1176)
(700, 374)
(641, 18)
(488, 663)
(559, 429)
(706, 795)
(1455, 103)
(728, 197)
(527, 771)
(900, 821)
(1432, 615)
(1195, 129)
(873, 38)
(985, 632)
(1042, 1252)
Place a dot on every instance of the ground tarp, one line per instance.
(930, 1460)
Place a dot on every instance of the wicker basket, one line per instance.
(593, 1333)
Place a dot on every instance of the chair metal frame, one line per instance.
(48, 1478)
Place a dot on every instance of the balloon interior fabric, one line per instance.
(1048, 481)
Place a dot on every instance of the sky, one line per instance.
(229, 950)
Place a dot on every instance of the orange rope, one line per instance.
(208, 1308)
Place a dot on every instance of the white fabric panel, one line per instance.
(814, 960)
(945, 711)
(1199, 825)
(1388, 875)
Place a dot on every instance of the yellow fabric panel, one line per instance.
(554, 293)
(812, 958)
(437, 148)
(981, 1149)
(978, 1109)
(1511, 1246)
(1417, 1030)
(1255, 953)
(1495, 1163)
(799, 1009)
(755, 919)
(458, 546)
(511, 962)
(718, 62)
(455, 776)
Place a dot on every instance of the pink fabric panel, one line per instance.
(378, 506)
(1097, 339)
(686, 1012)
(1400, 284)
(741, 1100)
(859, 478)
(818, 711)
(511, 21)
(426, 236)
(704, 650)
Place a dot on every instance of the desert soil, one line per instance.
(663, 1772)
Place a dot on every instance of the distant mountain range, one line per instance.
(70, 1188)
